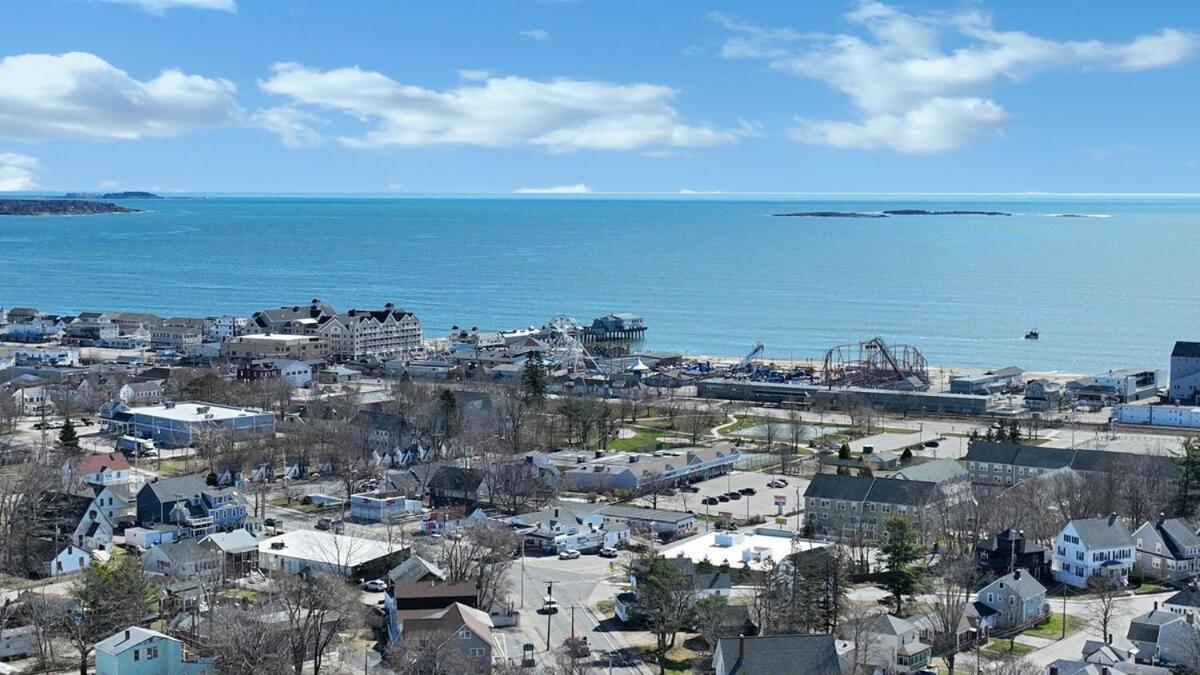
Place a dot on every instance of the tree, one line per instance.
(906, 457)
(844, 451)
(958, 577)
(1189, 476)
(533, 381)
(1105, 605)
(900, 551)
(664, 601)
(316, 608)
(448, 407)
(480, 552)
(244, 644)
(110, 597)
(68, 440)
(710, 618)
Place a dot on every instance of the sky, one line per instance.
(584, 96)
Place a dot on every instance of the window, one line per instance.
(137, 655)
(477, 652)
(151, 653)
(464, 633)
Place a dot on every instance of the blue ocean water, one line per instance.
(710, 274)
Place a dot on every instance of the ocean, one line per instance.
(710, 274)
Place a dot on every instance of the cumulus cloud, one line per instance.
(80, 95)
(17, 172)
(560, 115)
(576, 189)
(474, 75)
(160, 7)
(912, 93)
(293, 125)
(538, 34)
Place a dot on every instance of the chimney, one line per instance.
(1156, 605)
(1161, 518)
(1053, 670)
(1016, 575)
(599, 454)
(126, 633)
(1112, 518)
(556, 512)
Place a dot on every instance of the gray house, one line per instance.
(183, 559)
(1167, 549)
(1163, 638)
(1185, 372)
(1017, 600)
(799, 654)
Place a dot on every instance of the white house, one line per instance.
(560, 528)
(1163, 638)
(148, 392)
(69, 560)
(300, 550)
(33, 401)
(1092, 547)
(102, 468)
(298, 373)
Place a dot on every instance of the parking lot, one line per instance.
(762, 503)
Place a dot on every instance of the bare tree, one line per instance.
(1105, 606)
(244, 644)
(482, 553)
(316, 607)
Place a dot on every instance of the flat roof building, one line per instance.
(178, 424)
(276, 345)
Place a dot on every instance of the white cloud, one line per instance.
(538, 34)
(293, 125)
(576, 189)
(80, 95)
(474, 75)
(160, 7)
(912, 93)
(560, 115)
(17, 172)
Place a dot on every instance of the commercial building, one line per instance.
(276, 345)
(377, 507)
(311, 550)
(1175, 416)
(756, 549)
(178, 338)
(840, 397)
(633, 472)
(1117, 386)
(356, 334)
(1185, 373)
(186, 422)
(991, 382)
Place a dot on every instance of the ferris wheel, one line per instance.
(566, 348)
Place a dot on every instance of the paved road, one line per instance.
(578, 584)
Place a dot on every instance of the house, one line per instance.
(894, 644)
(705, 580)
(454, 485)
(385, 432)
(146, 538)
(34, 401)
(1009, 550)
(238, 550)
(1163, 638)
(76, 519)
(426, 595)
(1042, 395)
(1017, 599)
(190, 502)
(176, 338)
(1093, 547)
(818, 654)
(18, 642)
(441, 521)
(416, 570)
(1185, 373)
(141, 651)
(1068, 667)
(146, 392)
(1185, 602)
(101, 468)
(67, 560)
(183, 560)
(377, 506)
(300, 551)
(1167, 548)
(658, 521)
(118, 501)
(457, 627)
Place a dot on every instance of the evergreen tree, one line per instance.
(844, 451)
(68, 440)
(1014, 431)
(448, 405)
(110, 597)
(900, 552)
(906, 456)
(533, 381)
(1189, 476)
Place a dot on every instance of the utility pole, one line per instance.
(549, 613)
(572, 622)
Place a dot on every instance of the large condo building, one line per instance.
(355, 334)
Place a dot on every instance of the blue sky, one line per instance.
(407, 97)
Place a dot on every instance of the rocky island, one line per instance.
(58, 207)
(886, 214)
(111, 195)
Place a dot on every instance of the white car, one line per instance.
(375, 586)
(569, 554)
(608, 552)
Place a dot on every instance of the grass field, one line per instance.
(1053, 629)
(1004, 649)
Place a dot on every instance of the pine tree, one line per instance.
(68, 440)
(844, 451)
(900, 552)
(533, 381)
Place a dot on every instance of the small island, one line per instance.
(111, 195)
(58, 207)
(886, 214)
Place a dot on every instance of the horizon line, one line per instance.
(599, 193)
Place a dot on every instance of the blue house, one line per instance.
(140, 651)
(191, 503)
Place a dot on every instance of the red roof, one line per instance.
(96, 463)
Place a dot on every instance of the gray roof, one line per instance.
(845, 488)
(1020, 581)
(1189, 350)
(118, 643)
(1188, 597)
(1101, 533)
(237, 541)
(415, 569)
(636, 513)
(176, 489)
(886, 624)
(1040, 457)
(937, 471)
(185, 550)
(907, 492)
(1145, 628)
(770, 654)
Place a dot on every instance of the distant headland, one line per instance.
(58, 207)
(886, 214)
(111, 195)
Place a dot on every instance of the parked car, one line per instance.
(568, 554)
(324, 523)
(931, 444)
(734, 495)
(748, 491)
(667, 492)
(689, 488)
(710, 501)
(722, 498)
(549, 605)
(608, 552)
(777, 483)
(375, 586)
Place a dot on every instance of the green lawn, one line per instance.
(173, 467)
(1002, 649)
(643, 439)
(1053, 629)
(1148, 587)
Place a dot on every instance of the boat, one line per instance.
(1032, 335)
